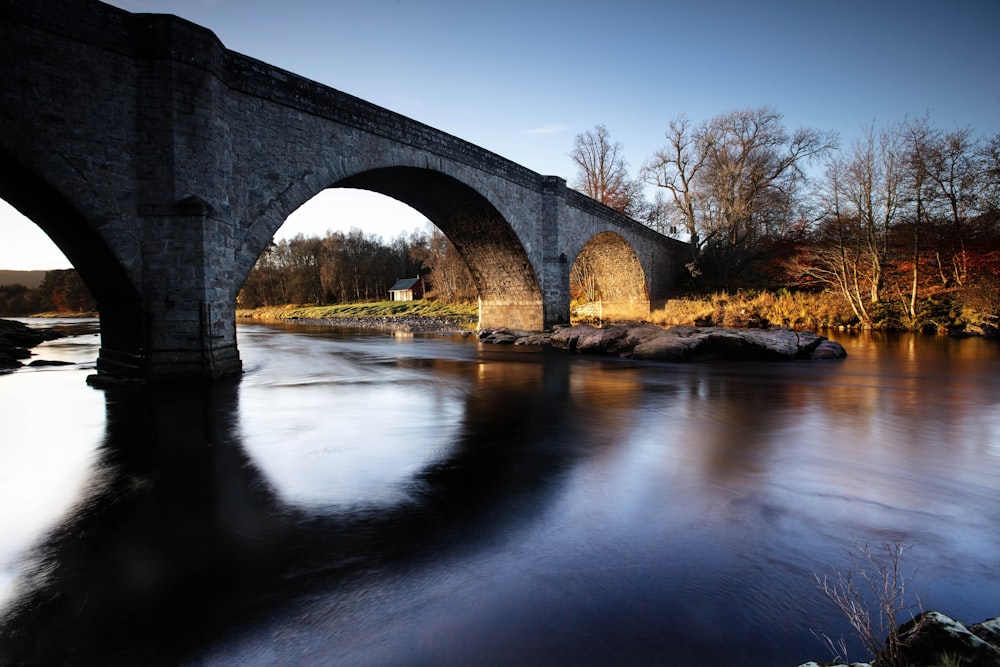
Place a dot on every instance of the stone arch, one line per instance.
(123, 336)
(71, 232)
(509, 292)
(616, 280)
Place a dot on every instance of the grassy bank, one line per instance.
(756, 308)
(815, 311)
(824, 310)
(55, 314)
(461, 312)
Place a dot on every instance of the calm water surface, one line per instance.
(378, 499)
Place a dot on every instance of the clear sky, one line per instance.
(523, 77)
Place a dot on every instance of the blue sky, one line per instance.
(523, 78)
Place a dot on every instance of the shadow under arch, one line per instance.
(509, 293)
(118, 301)
(609, 275)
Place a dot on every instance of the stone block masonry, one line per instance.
(162, 164)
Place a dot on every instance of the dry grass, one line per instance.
(800, 310)
(976, 313)
(389, 309)
(977, 310)
(873, 595)
(54, 314)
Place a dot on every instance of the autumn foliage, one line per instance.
(61, 291)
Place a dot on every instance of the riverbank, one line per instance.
(408, 316)
(743, 309)
(414, 316)
(820, 311)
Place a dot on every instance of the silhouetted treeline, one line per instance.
(342, 268)
(61, 291)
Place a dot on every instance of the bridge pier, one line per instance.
(507, 315)
(154, 344)
(183, 324)
(189, 292)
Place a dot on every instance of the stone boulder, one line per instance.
(589, 340)
(988, 631)
(37, 363)
(700, 343)
(501, 336)
(932, 639)
(680, 343)
(17, 339)
(8, 362)
(829, 349)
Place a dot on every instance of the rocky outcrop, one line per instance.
(16, 341)
(680, 343)
(932, 639)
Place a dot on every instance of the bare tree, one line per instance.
(838, 258)
(955, 166)
(735, 180)
(676, 168)
(337, 268)
(659, 215)
(990, 155)
(447, 274)
(916, 137)
(873, 187)
(602, 172)
(861, 197)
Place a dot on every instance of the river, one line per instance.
(362, 498)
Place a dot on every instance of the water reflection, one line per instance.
(178, 533)
(366, 499)
(169, 505)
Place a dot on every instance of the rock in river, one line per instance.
(932, 639)
(16, 339)
(680, 343)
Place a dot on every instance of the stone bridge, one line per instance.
(162, 164)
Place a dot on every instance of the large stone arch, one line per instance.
(616, 275)
(118, 300)
(508, 287)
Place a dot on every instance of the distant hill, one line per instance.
(30, 279)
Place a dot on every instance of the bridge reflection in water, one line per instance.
(178, 535)
(370, 499)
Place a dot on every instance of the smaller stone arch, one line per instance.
(608, 273)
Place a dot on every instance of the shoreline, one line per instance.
(408, 324)
(375, 320)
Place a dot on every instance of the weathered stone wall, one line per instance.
(162, 164)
